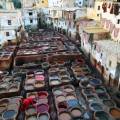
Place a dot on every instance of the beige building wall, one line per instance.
(96, 11)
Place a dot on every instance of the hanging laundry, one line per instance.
(103, 21)
(116, 9)
(116, 32)
(98, 48)
(109, 5)
(107, 24)
(112, 9)
(104, 6)
(112, 26)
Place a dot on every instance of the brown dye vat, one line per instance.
(30, 75)
(39, 84)
(76, 112)
(64, 116)
(60, 98)
(115, 112)
(63, 73)
(33, 95)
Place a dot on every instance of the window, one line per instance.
(7, 34)
(95, 47)
(110, 63)
(118, 22)
(101, 55)
(74, 16)
(9, 22)
(30, 13)
(31, 21)
(98, 7)
(98, 15)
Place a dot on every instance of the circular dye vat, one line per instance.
(42, 108)
(39, 85)
(96, 107)
(70, 97)
(87, 116)
(29, 87)
(95, 82)
(72, 103)
(55, 82)
(102, 116)
(76, 112)
(13, 89)
(115, 112)
(33, 117)
(31, 111)
(45, 65)
(100, 90)
(58, 92)
(68, 89)
(62, 105)
(103, 96)
(43, 94)
(32, 95)
(65, 116)
(43, 116)
(10, 114)
(87, 92)
(3, 108)
(91, 98)
(39, 77)
(84, 84)
(60, 98)
(109, 103)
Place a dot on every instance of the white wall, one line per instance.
(27, 18)
(16, 22)
(79, 3)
